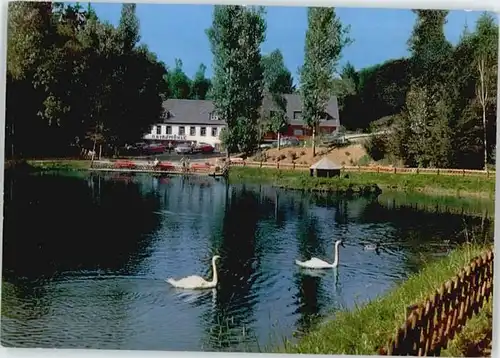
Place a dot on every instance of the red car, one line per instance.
(204, 148)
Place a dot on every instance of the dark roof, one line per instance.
(325, 164)
(294, 103)
(191, 111)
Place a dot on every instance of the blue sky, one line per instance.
(178, 31)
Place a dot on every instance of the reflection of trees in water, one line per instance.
(55, 224)
(66, 224)
(234, 303)
(419, 234)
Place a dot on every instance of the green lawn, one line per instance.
(427, 183)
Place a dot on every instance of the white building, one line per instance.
(188, 121)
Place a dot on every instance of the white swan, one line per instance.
(197, 282)
(316, 263)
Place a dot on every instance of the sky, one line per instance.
(178, 31)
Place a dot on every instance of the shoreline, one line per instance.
(446, 186)
(377, 320)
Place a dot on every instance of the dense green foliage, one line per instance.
(237, 89)
(440, 103)
(74, 81)
(325, 39)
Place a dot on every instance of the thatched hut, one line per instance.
(325, 168)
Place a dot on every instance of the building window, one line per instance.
(158, 130)
(298, 132)
(192, 131)
(214, 131)
(297, 115)
(203, 131)
(213, 117)
(169, 129)
(182, 130)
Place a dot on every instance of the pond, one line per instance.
(86, 257)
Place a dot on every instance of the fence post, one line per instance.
(395, 169)
(293, 166)
(378, 169)
(438, 171)
(260, 164)
(463, 172)
(277, 165)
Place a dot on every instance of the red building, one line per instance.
(297, 127)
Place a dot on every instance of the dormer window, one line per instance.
(213, 117)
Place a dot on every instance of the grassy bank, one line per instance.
(292, 180)
(429, 184)
(364, 329)
(475, 206)
(63, 164)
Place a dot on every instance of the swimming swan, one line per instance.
(316, 263)
(197, 282)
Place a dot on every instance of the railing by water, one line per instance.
(431, 324)
(369, 169)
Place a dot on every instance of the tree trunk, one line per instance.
(279, 140)
(485, 139)
(314, 140)
(93, 151)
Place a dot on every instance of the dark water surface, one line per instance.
(86, 258)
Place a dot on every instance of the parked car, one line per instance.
(204, 148)
(183, 148)
(267, 145)
(289, 141)
(154, 149)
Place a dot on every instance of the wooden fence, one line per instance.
(369, 169)
(431, 324)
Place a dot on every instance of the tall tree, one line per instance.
(278, 81)
(325, 39)
(428, 110)
(129, 27)
(200, 84)
(235, 38)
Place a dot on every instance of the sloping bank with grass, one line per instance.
(367, 328)
(425, 183)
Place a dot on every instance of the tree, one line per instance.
(276, 75)
(179, 83)
(427, 111)
(200, 84)
(277, 82)
(486, 62)
(235, 38)
(325, 39)
(129, 27)
(87, 80)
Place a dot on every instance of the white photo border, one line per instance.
(473, 5)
